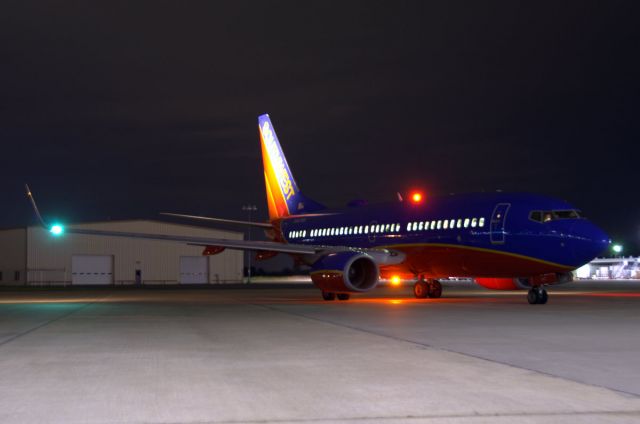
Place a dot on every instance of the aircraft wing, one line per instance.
(205, 241)
(380, 255)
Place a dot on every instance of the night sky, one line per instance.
(117, 110)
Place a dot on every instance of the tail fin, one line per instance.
(283, 196)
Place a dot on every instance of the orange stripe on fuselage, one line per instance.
(275, 199)
(443, 260)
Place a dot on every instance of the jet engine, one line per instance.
(345, 272)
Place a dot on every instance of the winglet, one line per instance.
(35, 207)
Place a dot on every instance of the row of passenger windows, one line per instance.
(445, 224)
(439, 224)
(347, 231)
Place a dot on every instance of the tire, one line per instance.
(328, 296)
(343, 296)
(420, 289)
(435, 289)
(543, 299)
(532, 297)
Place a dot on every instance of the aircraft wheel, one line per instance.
(435, 289)
(328, 295)
(544, 297)
(420, 289)
(343, 296)
(537, 296)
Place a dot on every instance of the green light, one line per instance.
(617, 248)
(57, 229)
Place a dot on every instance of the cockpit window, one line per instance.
(547, 216)
(536, 216)
(570, 214)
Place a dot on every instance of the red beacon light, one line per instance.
(416, 197)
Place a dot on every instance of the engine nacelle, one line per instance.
(524, 283)
(345, 272)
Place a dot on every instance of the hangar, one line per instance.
(33, 256)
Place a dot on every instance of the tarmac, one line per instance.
(279, 354)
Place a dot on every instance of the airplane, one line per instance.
(503, 241)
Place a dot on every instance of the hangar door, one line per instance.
(91, 269)
(194, 269)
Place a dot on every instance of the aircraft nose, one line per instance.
(592, 241)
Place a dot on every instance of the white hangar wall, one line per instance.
(13, 256)
(87, 259)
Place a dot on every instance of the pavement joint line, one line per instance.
(51, 321)
(442, 349)
(416, 417)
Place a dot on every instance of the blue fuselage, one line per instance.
(483, 234)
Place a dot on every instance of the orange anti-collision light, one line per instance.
(416, 197)
(395, 280)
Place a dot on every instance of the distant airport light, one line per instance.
(617, 248)
(395, 280)
(416, 197)
(57, 229)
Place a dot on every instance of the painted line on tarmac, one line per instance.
(442, 349)
(51, 321)
(421, 418)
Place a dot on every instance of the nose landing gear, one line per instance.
(537, 296)
(427, 288)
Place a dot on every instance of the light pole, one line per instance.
(249, 209)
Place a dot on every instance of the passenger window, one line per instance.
(445, 225)
(366, 229)
(452, 223)
(420, 226)
(459, 223)
(474, 222)
(433, 225)
(439, 224)
(466, 222)
(481, 222)
(397, 228)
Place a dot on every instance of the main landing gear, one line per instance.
(328, 296)
(427, 288)
(537, 296)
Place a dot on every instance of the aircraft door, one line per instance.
(372, 234)
(498, 219)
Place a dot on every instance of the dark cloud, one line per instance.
(153, 105)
